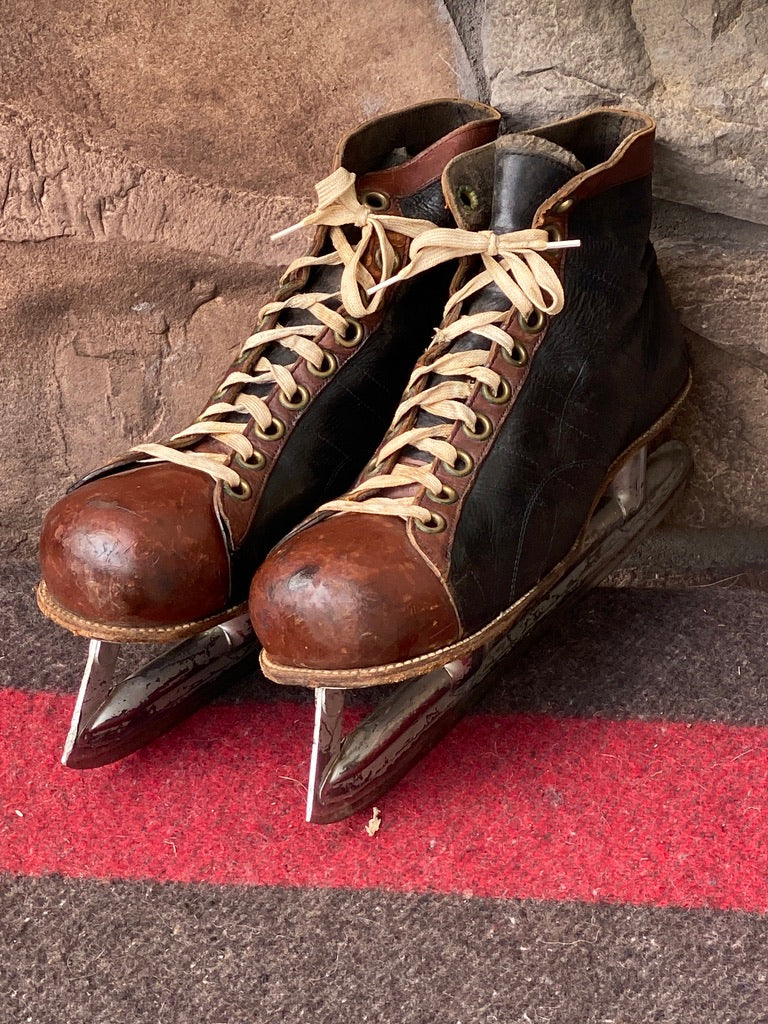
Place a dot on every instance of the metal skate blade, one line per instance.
(112, 720)
(348, 773)
(94, 688)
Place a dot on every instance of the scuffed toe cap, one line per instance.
(349, 592)
(139, 548)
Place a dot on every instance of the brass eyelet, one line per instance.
(445, 496)
(240, 493)
(370, 468)
(352, 336)
(463, 466)
(396, 263)
(553, 232)
(435, 524)
(519, 355)
(295, 403)
(327, 368)
(256, 461)
(503, 395)
(562, 206)
(218, 394)
(482, 430)
(274, 431)
(468, 197)
(534, 324)
(376, 201)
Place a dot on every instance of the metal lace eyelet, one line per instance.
(327, 367)
(503, 394)
(376, 201)
(353, 334)
(553, 232)
(240, 493)
(462, 467)
(370, 468)
(435, 523)
(295, 403)
(534, 323)
(468, 197)
(481, 430)
(219, 393)
(562, 206)
(255, 461)
(445, 496)
(518, 356)
(395, 261)
(275, 430)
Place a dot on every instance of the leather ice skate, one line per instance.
(161, 545)
(523, 462)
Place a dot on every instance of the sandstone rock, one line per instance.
(145, 157)
(103, 346)
(57, 184)
(248, 95)
(702, 73)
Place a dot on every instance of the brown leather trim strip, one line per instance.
(632, 159)
(428, 165)
(437, 546)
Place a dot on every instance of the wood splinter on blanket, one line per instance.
(374, 824)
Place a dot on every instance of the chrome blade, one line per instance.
(94, 689)
(129, 714)
(326, 744)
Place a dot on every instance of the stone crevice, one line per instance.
(725, 13)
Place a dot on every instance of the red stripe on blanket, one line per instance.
(523, 806)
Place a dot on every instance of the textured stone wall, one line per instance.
(700, 67)
(147, 151)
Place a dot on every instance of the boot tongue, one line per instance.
(527, 170)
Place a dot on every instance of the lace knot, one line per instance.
(492, 244)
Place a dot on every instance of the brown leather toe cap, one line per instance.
(350, 592)
(142, 547)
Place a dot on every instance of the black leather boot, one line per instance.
(559, 360)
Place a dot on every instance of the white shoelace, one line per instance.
(513, 262)
(338, 206)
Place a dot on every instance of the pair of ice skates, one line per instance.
(446, 521)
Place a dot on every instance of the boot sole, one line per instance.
(81, 626)
(396, 672)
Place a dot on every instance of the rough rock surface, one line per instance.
(717, 272)
(246, 94)
(57, 184)
(730, 455)
(701, 69)
(147, 151)
(104, 345)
